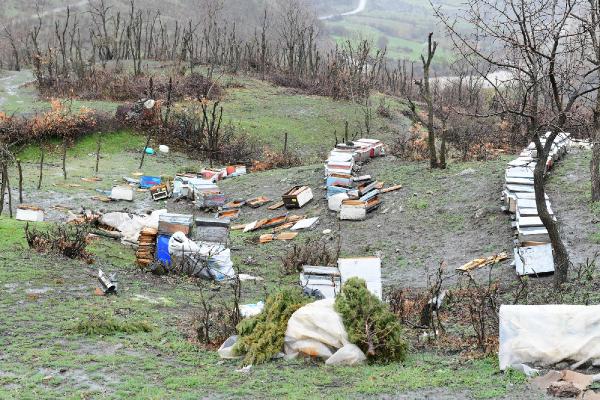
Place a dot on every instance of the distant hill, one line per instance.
(400, 25)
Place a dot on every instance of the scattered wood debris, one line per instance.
(482, 262)
(269, 237)
(146, 247)
(258, 201)
(92, 179)
(275, 206)
(231, 214)
(390, 189)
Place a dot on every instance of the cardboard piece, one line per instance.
(304, 224)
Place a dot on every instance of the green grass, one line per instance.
(262, 110)
(103, 324)
(46, 358)
(403, 24)
(268, 112)
(45, 297)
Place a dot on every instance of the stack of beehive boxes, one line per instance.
(533, 252)
(352, 196)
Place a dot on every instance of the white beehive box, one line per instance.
(30, 214)
(367, 268)
(122, 193)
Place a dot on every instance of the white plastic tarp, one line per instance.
(315, 329)
(217, 257)
(130, 226)
(548, 334)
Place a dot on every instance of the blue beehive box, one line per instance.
(162, 249)
(146, 182)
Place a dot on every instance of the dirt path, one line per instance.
(362, 4)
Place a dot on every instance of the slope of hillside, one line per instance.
(400, 25)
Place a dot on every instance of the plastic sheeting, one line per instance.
(317, 330)
(211, 260)
(350, 354)
(130, 226)
(548, 334)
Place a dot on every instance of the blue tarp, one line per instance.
(146, 182)
(162, 249)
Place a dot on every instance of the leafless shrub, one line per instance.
(410, 145)
(115, 86)
(67, 240)
(482, 304)
(311, 252)
(240, 148)
(273, 159)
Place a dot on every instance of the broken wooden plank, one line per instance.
(275, 206)
(391, 189)
(278, 236)
(258, 201)
(482, 262)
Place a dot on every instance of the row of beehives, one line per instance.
(533, 251)
(352, 196)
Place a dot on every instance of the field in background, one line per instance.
(259, 108)
(400, 25)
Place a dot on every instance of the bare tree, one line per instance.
(590, 21)
(534, 45)
(427, 95)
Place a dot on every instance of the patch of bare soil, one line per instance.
(569, 192)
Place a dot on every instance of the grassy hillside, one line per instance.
(259, 108)
(45, 297)
(401, 25)
(452, 215)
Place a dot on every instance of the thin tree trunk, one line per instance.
(561, 256)
(10, 212)
(144, 151)
(595, 165)
(2, 188)
(41, 166)
(442, 163)
(98, 153)
(20, 168)
(64, 159)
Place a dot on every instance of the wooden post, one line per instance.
(2, 188)
(20, 168)
(41, 165)
(346, 132)
(98, 152)
(64, 158)
(285, 142)
(144, 151)
(10, 212)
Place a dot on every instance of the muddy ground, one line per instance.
(449, 216)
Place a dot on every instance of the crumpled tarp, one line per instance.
(317, 330)
(548, 334)
(130, 226)
(208, 260)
